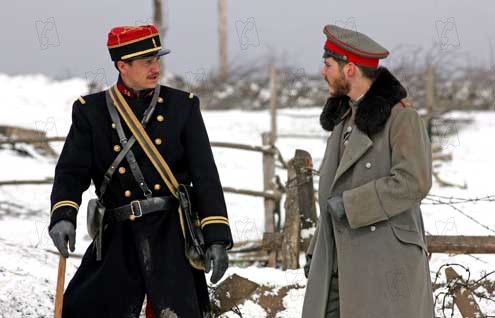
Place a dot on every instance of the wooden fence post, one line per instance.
(291, 231)
(430, 98)
(268, 185)
(273, 104)
(300, 209)
(463, 297)
(162, 27)
(306, 195)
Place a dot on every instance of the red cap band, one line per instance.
(351, 57)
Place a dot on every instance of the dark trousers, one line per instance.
(141, 257)
(333, 306)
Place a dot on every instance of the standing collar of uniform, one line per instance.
(357, 101)
(129, 92)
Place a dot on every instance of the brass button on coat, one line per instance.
(160, 118)
(113, 125)
(373, 228)
(127, 193)
(368, 165)
(116, 148)
(160, 100)
(158, 141)
(157, 186)
(121, 170)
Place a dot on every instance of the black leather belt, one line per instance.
(139, 208)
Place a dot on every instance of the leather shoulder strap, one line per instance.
(153, 155)
(144, 140)
(127, 145)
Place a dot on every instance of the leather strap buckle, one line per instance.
(133, 215)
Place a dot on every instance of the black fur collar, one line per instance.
(373, 110)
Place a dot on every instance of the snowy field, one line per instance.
(28, 265)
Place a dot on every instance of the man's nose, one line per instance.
(156, 66)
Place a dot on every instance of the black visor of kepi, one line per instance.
(161, 52)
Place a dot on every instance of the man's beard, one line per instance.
(339, 86)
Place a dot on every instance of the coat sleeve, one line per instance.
(205, 179)
(410, 176)
(72, 172)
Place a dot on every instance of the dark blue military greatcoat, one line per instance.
(145, 256)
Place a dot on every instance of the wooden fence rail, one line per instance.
(448, 244)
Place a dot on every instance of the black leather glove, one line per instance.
(62, 232)
(217, 254)
(307, 265)
(335, 206)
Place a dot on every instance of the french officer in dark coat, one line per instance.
(141, 255)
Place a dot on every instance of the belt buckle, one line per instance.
(133, 215)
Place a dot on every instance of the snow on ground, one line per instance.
(28, 268)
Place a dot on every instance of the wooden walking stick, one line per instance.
(59, 294)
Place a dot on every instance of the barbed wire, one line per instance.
(459, 284)
(452, 201)
(439, 199)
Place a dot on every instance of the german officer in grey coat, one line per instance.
(369, 255)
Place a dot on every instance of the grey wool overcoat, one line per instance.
(384, 173)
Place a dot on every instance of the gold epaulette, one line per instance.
(81, 100)
(191, 95)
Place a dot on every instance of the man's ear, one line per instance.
(351, 69)
(121, 67)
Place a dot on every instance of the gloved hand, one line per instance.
(62, 232)
(216, 254)
(307, 265)
(335, 206)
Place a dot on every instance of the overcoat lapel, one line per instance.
(331, 162)
(358, 144)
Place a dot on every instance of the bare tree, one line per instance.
(222, 40)
(162, 25)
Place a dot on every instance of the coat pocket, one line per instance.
(409, 237)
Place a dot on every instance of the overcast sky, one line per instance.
(68, 38)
